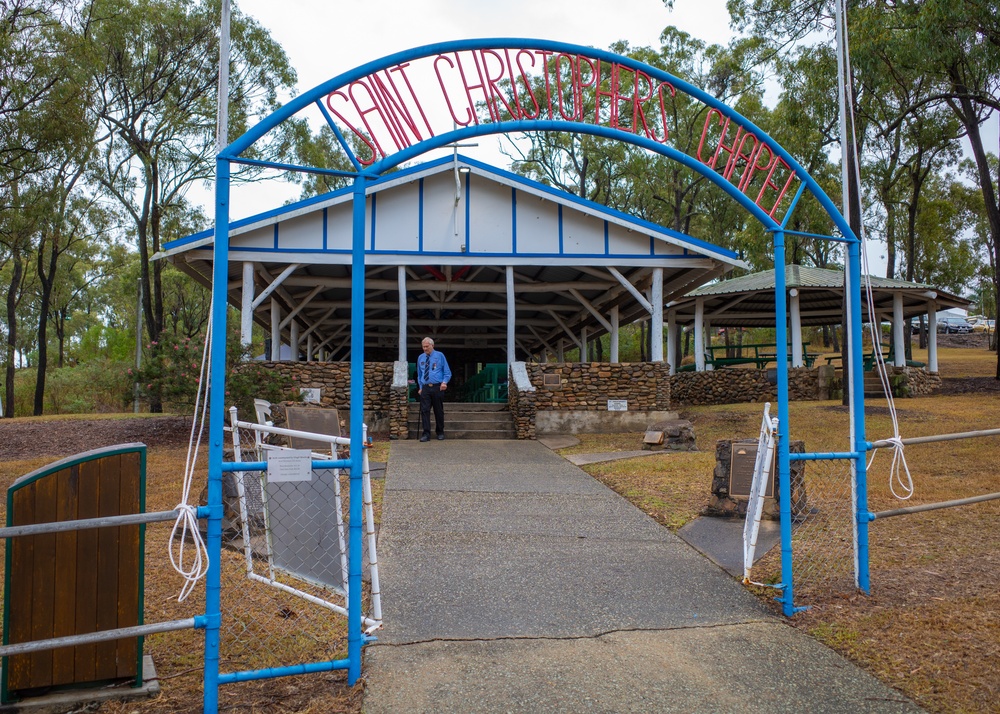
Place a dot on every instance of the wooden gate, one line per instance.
(75, 582)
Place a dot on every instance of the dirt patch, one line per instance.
(968, 385)
(63, 437)
(978, 340)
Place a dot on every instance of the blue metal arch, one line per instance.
(232, 154)
(317, 93)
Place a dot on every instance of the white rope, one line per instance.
(899, 466)
(186, 525)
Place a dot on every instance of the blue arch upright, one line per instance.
(377, 78)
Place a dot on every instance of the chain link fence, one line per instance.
(822, 533)
(285, 560)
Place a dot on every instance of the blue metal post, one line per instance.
(784, 478)
(357, 420)
(861, 575)
(217, 412)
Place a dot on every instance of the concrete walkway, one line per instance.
(514, 582)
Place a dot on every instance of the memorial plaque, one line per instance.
(551, 380)
(741, 470)
(617, 405)
(314, 421)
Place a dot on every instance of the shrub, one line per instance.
(101, 385)
(172, 371)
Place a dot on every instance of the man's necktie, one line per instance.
(427, 370)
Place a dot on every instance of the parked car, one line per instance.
(981, 324)
(953, 325)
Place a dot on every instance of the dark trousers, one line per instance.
(430, 396)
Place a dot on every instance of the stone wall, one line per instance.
(384, 407)
(733, 386)
(920, 382)
(588, 386)
(523, 408)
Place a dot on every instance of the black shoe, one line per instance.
(425, 437)
(440, 437)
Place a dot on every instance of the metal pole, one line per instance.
(102, 636)
(86, 523)
(357, 431)
(222, 116)
(934, 506)
(784, 477)
(858, 443)
(217, 380)
(217, 414)
(938, 437)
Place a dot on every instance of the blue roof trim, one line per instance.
(556, 194)
(347, 251)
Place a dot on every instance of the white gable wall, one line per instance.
(419, 217)
(490, 220)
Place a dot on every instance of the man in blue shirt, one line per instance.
(433, 375)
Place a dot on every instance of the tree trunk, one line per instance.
(46, 281)
(61, 334)
(967, 115)
(17, 274)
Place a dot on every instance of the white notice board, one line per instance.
(286, 465)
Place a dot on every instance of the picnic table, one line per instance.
(868, 359)
(758, 354)
(809, 358)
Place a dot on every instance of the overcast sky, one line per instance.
(324, 38)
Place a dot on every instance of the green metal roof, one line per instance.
(748, 301)
(796, 276)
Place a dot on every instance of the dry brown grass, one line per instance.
(929, 627)
(292, 632)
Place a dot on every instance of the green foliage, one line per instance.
(171, 375)
(97, 386)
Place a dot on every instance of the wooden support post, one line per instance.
(795, 316)
(246, 305)
(656, 324)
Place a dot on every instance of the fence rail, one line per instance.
(87, 523)
(101, 636)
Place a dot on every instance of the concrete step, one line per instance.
(873, 386)
(468, 421)
(414, 407)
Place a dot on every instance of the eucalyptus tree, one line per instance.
(960, 43)
(951, 48)
(186, 303)
(943, 251)
(72, 220)
(155, 68)
(39, 111)
(82, 274)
